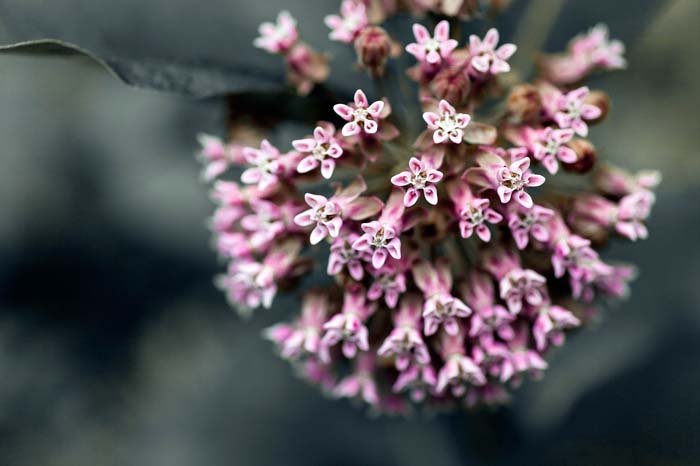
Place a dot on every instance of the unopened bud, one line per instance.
(601, 100)
(453, 85)
(585, 156)
(524, 103)
(373, 47)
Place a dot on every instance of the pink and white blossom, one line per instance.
(361, 383)
(321, 150)
(381, 239)
(278, 37)
(447, 124)
(548, 146)
(434, 49)
(265, 165)
(346, 26)
(361, 117)
(550, 324)
(524, 223)
(572, 111)
(324, 214)
(420, 177)
(523, 287)
(487, 57)
(388, 281)
(459, 371)
(405, 342)
(348, 326)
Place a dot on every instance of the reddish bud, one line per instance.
(601, 100)
(524, 103)
(373, 47)
(453, 85)
(585, 155)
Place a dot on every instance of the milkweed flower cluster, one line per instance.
(453, 261)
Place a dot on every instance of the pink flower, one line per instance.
(474, 213)
(346, 26)
(486, 58)
(421, 177)
(448, 124)
(348, 326)
(344, 255)
(264, 224)
(419, 380)
(381, 239)
(390, 282)
(280, 37)
(432, 50)
(631, 213)
(522, 358)
(361, 382)
(489, 320)
(249, 285)
(524, 223)
(586, 53)
(512, 181)
(597, 49)
(216, 155)
(618, 182)
(405, 342)
(493, 357)
(550, 324)
(440, 307)
(321, 150)
(520, 287)
(548, 147)
(266, 166)
(474, 218)
(304, 336)
(325, 214)
(459, 371)
(571, 111)
(575, 255)
(361, 116)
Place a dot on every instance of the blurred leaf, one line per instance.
(196, 80)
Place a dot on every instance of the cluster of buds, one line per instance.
(452, 265)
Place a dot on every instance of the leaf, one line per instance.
(189, 79)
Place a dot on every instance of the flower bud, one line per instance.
(524, 103)
(585, 156)
(306, 67)
(373, 47)
(453, 85)
(601, 100)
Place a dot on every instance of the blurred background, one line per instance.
(116, 349)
